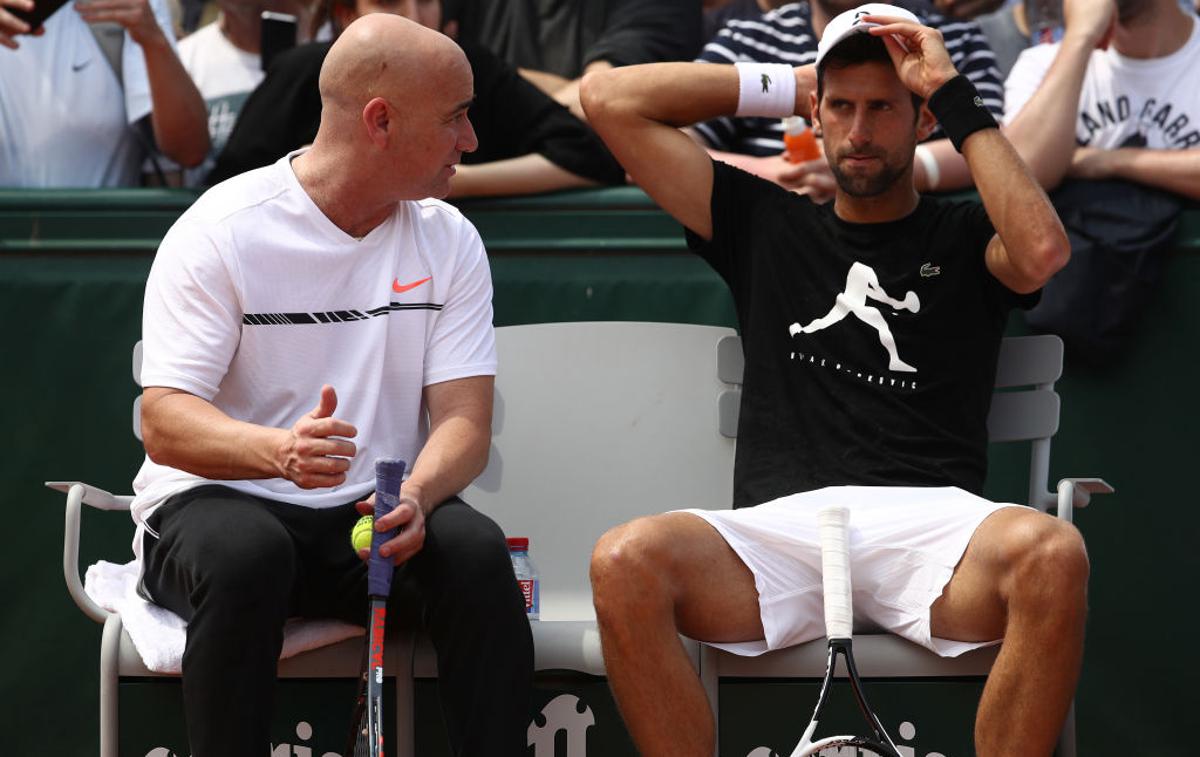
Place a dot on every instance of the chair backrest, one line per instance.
(1025, 407)
(599, 423)
(596, 424)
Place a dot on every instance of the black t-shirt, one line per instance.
(511, 118)
(870, 348)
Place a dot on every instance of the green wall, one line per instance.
(72, 267)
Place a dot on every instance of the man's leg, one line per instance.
(224, 564)
(475, 614)
(1024, 577)
(653, 578)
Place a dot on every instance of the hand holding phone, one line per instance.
(24, 17)
(278, 35)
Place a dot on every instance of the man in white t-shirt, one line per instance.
(67, 119)
(330, 278)
(224, 60)
(1116, 98)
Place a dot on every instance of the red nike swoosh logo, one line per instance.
(399, 288)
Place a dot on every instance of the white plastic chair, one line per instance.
(1027, 410)
(120, 659)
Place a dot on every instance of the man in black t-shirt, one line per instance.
(871, 329)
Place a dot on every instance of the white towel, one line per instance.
(159, 634)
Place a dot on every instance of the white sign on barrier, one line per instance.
(563, 713)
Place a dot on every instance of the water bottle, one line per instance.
(799, 141)
(526, 573)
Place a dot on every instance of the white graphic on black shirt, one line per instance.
(861, 283)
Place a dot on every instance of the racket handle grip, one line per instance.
(389, 474)
(833, 523)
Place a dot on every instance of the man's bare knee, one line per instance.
(628, 565)
(1047, 562)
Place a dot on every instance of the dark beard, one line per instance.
(868, 186)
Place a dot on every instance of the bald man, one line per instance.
(300, 320)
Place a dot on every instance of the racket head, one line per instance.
(865, 746)
(878, 742)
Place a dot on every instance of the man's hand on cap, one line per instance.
(917, 51)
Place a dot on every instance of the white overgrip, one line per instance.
(833, 523)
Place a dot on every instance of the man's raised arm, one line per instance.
(638, 110)
(1030, 244)
(1043, 131)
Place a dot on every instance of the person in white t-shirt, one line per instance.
(1116, 98)
(67, 119)
(331, 278)
(224, 60)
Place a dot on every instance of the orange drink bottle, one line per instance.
(799, 141)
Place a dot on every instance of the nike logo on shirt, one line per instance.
(399, 288)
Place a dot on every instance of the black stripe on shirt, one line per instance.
(333, 316)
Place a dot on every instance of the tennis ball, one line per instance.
(360, 535)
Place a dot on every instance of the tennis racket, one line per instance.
(366, 722)
(839, 620)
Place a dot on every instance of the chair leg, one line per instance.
(1066, 738)
(110, 653)
(710, 680)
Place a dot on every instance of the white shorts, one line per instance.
(904, 545)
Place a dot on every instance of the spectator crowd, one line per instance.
(124, 92)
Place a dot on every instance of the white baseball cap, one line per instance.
(848, 24)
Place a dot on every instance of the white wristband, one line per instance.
(930, 164)
(766, 89)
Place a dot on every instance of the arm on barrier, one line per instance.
(78, 494)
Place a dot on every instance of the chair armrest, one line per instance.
(93, 496)
(78, 494)
(1077, 492)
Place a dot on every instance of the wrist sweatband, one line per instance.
(930, 164)
(960, 110)
(765, 89)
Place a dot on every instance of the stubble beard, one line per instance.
(872, 184)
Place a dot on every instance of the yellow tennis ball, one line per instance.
(360, 535)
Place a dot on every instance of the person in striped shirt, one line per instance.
(789, 34)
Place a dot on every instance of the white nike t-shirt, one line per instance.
(256, 299)
(64, 117)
